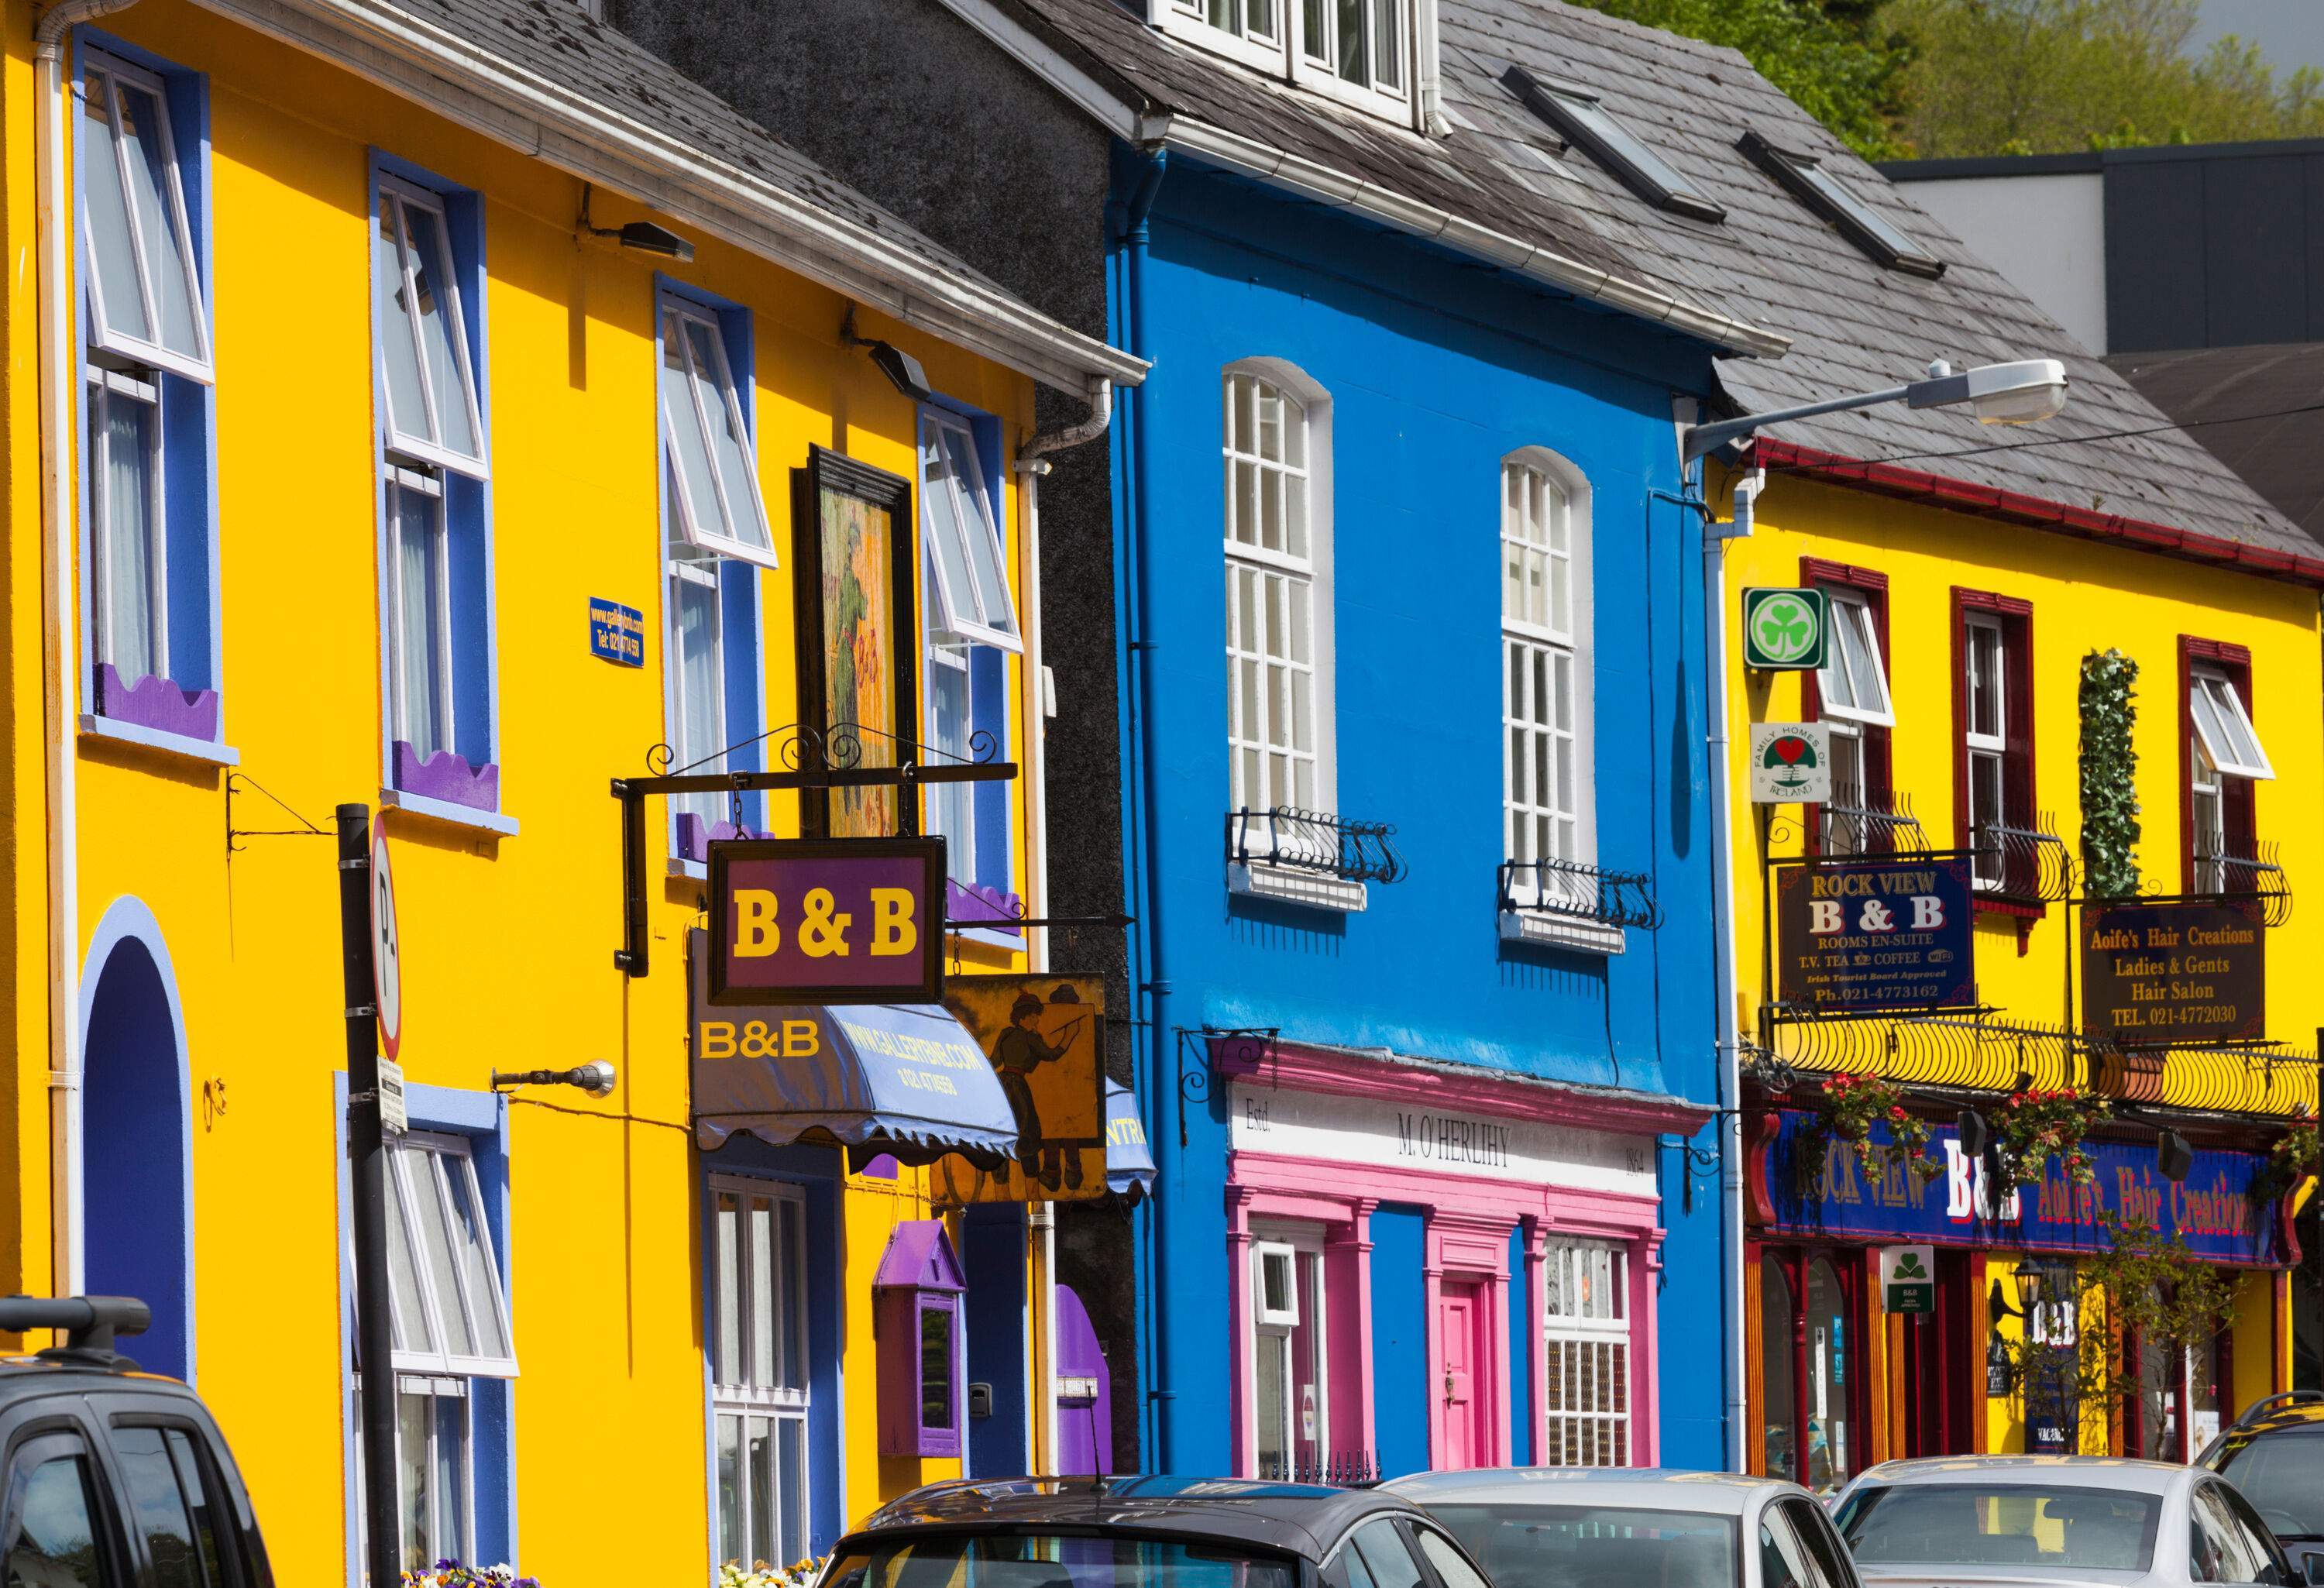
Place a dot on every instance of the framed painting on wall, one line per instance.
(852, 550)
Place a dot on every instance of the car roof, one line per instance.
(2061, 1471)
(1656, 1488)
(23, 1377)
(1302, 1518)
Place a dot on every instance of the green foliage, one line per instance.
(2109, 775)
(1828, 55)
(2046, 76)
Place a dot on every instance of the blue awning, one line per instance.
(903, 1079)
(1129, 1158)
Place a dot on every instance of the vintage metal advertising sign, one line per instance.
(826, 920)
(1863, 936)
(2188, 970)
(1045, 1037)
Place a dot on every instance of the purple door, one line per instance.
(1084, 1393)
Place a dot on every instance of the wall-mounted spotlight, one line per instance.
(1971, 1126)
(596, 1078)
(903, 371)
(641, 236)
(2174, 1155)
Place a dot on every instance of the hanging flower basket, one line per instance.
(2033, 1127)
(1852, 1104)
(2294, 1156)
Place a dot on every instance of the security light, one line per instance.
(903, 371)
(1971, 1126)
(2174, 1155)
(596, 1078)
(641, 236)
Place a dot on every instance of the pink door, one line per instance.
(1460, 1312)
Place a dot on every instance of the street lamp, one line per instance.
(2022, 393)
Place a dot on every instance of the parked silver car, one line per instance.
(1635, 1528)
(2037, 1521)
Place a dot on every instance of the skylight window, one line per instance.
(1809, 180)
(1581, 117)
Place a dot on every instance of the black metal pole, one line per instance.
(367, 1168)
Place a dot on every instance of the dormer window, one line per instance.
(1360, 52)
(1580, 116)
(1816, 185)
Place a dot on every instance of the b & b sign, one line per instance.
(1908, 1278)
(826, 920)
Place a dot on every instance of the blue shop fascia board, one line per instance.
(1437, 368)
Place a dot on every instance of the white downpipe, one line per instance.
(1715, 537)
(60, 649)
(1037, 735)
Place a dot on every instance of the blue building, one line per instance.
(1393, 584)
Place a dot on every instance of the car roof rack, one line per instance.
(2268, 1403)
(89, 1323)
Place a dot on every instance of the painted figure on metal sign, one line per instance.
(857, 626)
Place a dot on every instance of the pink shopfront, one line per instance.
(1438, 1266)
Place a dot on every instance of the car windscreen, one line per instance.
(2000, 1525)
(2281, 1475)
(1594, 1547)
(1056, 1560)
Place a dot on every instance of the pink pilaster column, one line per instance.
(1497, 1305)
(1432, 1276)
(1537, 1250)
(1645, 1379)
(1367, 1393)
(1242, 1390)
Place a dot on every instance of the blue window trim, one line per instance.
(821, 1173)
(189, 471)
(483, 1118)
(467, 503)
(745, 681)
(988, 676)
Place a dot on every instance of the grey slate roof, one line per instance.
(1855, 325)
(2244, 403)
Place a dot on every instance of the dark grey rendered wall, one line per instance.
(2214, 247)
(904, 102)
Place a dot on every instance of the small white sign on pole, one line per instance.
(393, 1119)
(1791, 763)
(386, 949)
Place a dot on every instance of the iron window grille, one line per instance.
(1856, 822)
(1340, 1469)
(2220, 870)
(1312, 841)
(2032, 864)
(1583, 893)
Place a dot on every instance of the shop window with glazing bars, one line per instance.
(759, 1370)
(1850, 694)
(146, 375)
(448, 1314)
(1586, 1325)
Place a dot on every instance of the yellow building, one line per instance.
(1977, 624)
(447, 409)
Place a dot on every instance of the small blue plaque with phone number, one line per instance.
(617, 632)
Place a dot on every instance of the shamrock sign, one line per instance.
(1908, 1282)
(1784, 629)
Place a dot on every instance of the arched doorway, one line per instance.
(137, 1135)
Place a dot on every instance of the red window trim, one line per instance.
(1879, 752)
(2020, 779)
(2240, 805)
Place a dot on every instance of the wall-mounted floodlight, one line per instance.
(903, 371)
(596, 1078)
(2024, 392)
(2174, 1155)
(641, 237)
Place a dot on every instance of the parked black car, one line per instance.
(2275, 1454)
(111, 1477)
(1149, 1532)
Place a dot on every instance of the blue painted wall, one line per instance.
(1436, 370)
(992, 1258)
(1399, 1340)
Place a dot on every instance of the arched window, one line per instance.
(1546, 803)
(1277, 459)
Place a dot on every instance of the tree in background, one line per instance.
(1942, 78)
(2044, 76)
(1828, 55)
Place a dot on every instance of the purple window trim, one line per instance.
(447, 776)
(973, 904)
(155, 702)
(919, 1272)
(694, 836)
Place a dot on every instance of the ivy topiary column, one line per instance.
(2109, 775)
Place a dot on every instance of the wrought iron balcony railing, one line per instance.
(2023, 865)
(1854, 823)
(1311, 841)
(1583, 892)
(2259, 874)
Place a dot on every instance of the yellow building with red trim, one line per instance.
(411, 406)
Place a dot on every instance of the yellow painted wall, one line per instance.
(2086, 596)
(508, 941)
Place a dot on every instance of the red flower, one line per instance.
(1897, 1111)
